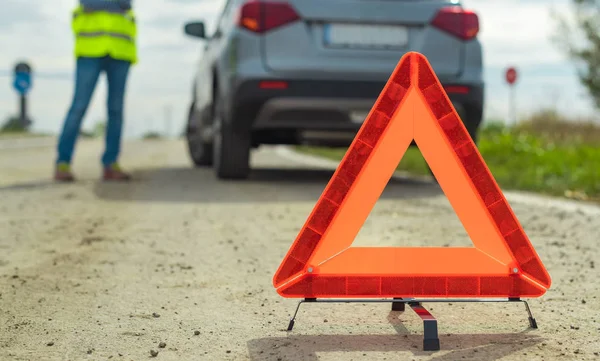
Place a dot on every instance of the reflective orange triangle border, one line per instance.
(412, 106)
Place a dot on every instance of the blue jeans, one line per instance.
(88, 72)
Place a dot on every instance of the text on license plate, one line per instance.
(365, 36)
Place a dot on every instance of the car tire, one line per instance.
(231, 149)
(201, 152)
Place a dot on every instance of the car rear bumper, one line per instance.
(324, 105)
(313, 113)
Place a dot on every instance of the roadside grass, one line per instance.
(545, 153)
(21, 134)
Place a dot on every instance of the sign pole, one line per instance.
(22, 84)
(513, 110)
(23, 112)
(511, 78)
(168, 121)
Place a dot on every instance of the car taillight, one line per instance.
(273, 84)
(261, 16)
(457, 21)
(456, 89)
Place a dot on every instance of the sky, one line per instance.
(513, 33)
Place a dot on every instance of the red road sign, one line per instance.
(511, 75)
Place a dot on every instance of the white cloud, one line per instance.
(517, 33)
(513, 32)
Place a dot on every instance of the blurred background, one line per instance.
(513, 33)
(526, 34)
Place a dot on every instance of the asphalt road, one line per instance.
(94, 271)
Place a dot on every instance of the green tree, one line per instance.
(580, 39)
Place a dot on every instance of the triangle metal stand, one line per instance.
(431, 341)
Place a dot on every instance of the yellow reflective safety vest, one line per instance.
(102, 33)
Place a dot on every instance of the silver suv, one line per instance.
(308, 71)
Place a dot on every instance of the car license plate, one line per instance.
(365, 36)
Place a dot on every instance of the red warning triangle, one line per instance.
(412, 106)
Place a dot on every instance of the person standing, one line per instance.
(105, 41)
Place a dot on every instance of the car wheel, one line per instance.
(231, 149)
(200, 151)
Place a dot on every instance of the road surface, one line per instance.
(93, 271)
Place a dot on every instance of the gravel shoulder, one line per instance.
(94, 271)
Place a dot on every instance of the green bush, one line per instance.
(13, 124)
(152, 135)
(545, 153)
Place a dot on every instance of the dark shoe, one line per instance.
(114, 173)
(63, 173)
